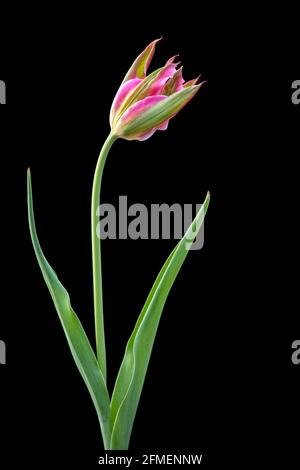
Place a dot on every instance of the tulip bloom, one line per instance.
(145, 104)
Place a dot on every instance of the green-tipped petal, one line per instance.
(192, 82)
(174, 84)
(140, 65)
(157, 114)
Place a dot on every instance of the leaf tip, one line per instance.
(207, 201)
(28, 181)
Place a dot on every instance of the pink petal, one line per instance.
(163, 126)
(171, 60)
(139, 108)
(163, 76)
(139, 123)
(123, 92)
(179, 80)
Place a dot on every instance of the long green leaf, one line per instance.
(80, 347)
(133, 369)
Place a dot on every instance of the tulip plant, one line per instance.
(143, 105)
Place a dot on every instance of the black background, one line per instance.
(221, 380)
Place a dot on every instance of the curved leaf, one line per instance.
(133, 369)
(80, 347)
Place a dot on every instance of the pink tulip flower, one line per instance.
(146, 103)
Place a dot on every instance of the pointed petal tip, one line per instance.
(196, 79)
(193, 82)
(142, 62)
(152, 44)
(171, 61)
(197, 86)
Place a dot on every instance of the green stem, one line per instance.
(96, 256)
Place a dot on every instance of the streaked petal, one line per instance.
(156, 87)
(138, 109)
(140, 65)
(174, 84)
(147, 135)
(153, 112)
(150, 85)
(139, 92)
(192, 82)
(124, 91)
